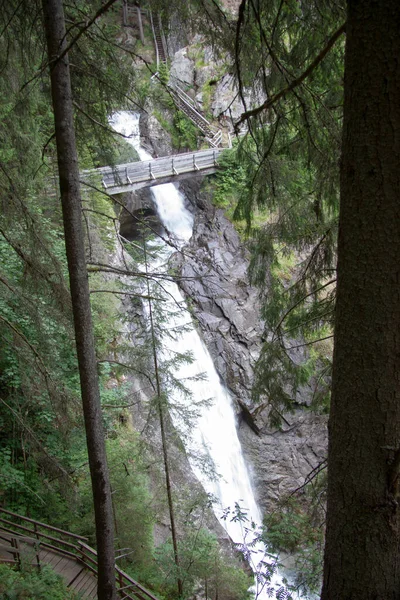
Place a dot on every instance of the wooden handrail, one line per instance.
(40, 524)
(76, 549)
(39, 533)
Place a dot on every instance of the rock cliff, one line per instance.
(214, 279)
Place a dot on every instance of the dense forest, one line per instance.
(296, 105)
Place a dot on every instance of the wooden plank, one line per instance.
(76, 584)
(69, 571)
(54, 559)
(92, 590)
(83, 582)
(86, 587)
(77, 574)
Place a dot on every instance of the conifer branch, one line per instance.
(312, 475)
(295, 83)
(311, 320)
(98, 123)
(65, 51)
(328, 337)
(131, 214)
(330, 282)
(125, 294)
(128, 367)
(44, 372)
(94, 267)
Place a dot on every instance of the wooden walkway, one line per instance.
(26, 541)
(133, 176)
(15, 549)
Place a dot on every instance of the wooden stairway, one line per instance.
(184, 103)
(24, 540)
(160, 40)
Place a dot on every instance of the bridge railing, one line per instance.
(17, 531)
(158, 168)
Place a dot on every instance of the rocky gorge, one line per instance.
(215, 283)
(212, 273)
(226, 308)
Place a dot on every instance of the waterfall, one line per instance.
(215, 429)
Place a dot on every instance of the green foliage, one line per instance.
(124, 152)
(296, 529)
(230, 181)
(132, 499)
(289, 160)
(40, 412)
(133, 513)
(205, 568)
(183, 132)
(33, 584)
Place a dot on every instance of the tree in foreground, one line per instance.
(362, 555)
(362, 549)
(75, 248)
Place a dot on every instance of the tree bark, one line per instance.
(74, 242)
(362, 554)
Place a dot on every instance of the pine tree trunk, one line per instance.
(362, 555)
(74, 242)
(164, 444)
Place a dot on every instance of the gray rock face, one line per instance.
(227, 312)
(153, 137)
(226, 98)
(182, 69)
(281, 460)
(225, 305)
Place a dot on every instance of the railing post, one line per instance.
(121, 582)
(37, 545)
(151, 172)
(140, 23)
(14, 544)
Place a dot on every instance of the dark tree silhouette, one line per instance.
(362, 555)
(74, 242)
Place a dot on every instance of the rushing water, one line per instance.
(214, 432)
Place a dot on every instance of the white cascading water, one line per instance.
(214, 433)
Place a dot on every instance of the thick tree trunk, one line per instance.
(362, 555)
(74, 242)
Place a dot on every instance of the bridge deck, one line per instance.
(132, 176)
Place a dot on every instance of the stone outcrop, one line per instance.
(214, 271)
(182, 69)
(153, 137)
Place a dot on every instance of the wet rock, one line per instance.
(214, 276)
(214, 269)
(282, 459)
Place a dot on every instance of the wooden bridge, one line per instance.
(24, 540)
(133, 176)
